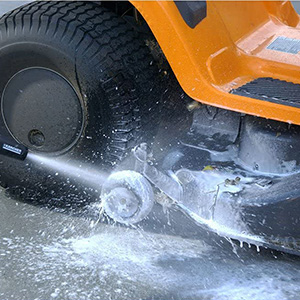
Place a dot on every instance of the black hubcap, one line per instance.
(42, 110)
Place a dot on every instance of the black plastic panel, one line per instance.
(272, 90)
(193, 12)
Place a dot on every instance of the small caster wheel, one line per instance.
(127, 197)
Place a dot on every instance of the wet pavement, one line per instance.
(47, 254)
(55, 254)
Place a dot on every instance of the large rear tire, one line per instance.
(76, 82)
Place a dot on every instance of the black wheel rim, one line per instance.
(42, 110)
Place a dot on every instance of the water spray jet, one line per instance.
(87, 175)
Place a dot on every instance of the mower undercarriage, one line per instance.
(218, 175)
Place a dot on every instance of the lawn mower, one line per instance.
(188, 104)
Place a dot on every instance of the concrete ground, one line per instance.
(50, 254)
(46, 254)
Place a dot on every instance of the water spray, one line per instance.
(126, 196)
(84, 173)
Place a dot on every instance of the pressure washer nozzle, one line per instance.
(11, 148)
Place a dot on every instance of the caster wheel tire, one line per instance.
(127, 197)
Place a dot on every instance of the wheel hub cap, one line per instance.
(121, 202)
(42, 110)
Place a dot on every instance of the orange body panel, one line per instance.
(228, 49)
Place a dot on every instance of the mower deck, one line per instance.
(207, 175)
(223, 197)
